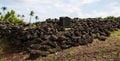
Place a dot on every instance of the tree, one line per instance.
(11, 17)
(23, 16)
(31, 14)
(4, 8)
(0, 13)
(37, 18)
(18, 15)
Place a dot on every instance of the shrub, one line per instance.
(11, 17)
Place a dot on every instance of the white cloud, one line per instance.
(98, 14)
(72, 8)
(111, 9)
(81, 2)
(115, 8)
(26, 1)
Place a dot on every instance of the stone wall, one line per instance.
(50, 36)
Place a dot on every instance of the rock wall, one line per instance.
(50, 36)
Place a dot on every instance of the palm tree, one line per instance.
(0, 13)
(31, 14)
(0, 16)
(18, 15)
(37, 18)
(4, 8)
(23, 16)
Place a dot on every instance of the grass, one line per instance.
(1, 59)
(116, 32)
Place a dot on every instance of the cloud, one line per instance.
(81, 2)
(111, 9)
(72, 8)
(54, 8)
(115, 8)
(24, 1)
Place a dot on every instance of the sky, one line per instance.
(57, 8)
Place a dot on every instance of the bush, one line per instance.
(11, 17)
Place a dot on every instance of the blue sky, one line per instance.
(57, 8)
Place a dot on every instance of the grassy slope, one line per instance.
(108, 50)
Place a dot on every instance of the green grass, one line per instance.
(1, 59)
(116, 32)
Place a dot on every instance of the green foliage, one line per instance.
(32, 25)
(11, 17)
(1, 59)
(99, 18)
(31, 13)
(118, 18)
(110, 17)
(4, 8)
(0, 13)
(36, 17)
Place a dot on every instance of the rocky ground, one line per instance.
(108, 50)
